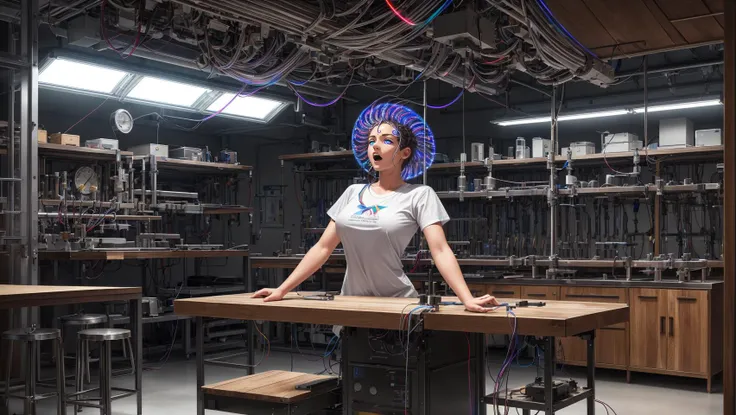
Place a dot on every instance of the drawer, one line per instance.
(496, 290)
(540, 292)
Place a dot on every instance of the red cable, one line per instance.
(396, 12)
(107, 40)
(493, 62)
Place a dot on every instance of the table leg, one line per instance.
(199, 329)
(480, 350)
(251, 347)
(188, 337)
(590, 340)
(136, 325)
(549, 367)
(346, 374)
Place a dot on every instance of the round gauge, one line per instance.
(86, 180)
(122, 121)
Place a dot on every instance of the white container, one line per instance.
(541, 147)
(622, 147)
(563, 151)
(161, 150)
(187, 153)
(618, 138)
(102, 143)
(711, 137)
(581, 148)
(477, 152)
(676, 132)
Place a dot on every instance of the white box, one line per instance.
(581, 148)
(541, 147)
(563, 151)
(103, 143)
(708, 137)
(161, 150)
(618, 138)
(676, 132)
(622, 147)
(476, 151)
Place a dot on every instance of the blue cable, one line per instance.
(328, 353)
(556, 23)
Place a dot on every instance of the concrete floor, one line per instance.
(171, 389)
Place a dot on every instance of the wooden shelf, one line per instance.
(324, 156)
(227, 210)
(77, 153)
(165, 163)
(121, 255)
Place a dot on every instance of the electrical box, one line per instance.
(160, 150)
(676, 132)
(581, 148)
(541, 147)
(477, 151)
(64, 139)
(187, 153)
(622, 146)
(228, 156)
(103, 143)
(465, 27)
(711, 137)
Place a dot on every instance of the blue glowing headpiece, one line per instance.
(401, 115)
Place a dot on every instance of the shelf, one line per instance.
(44, 215)
(227, 210)
(582, 191)
(121, 255)
(84, 203)
(324, 156)
(517, 399)
(165, 163)
(77, 153)
(148, 320)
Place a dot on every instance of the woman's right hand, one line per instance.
(270, 294)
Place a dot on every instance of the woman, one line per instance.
(376, 221)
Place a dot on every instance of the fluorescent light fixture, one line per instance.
(77, 75)
(679, 106)
(248, 107)
(166, 92)
(613, 113)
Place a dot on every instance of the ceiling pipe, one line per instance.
(672, 68)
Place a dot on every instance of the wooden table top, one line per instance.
(122, 255)
(272, 386)
(16, 296)
(557, 318)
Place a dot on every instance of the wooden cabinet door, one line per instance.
(687, 331)
(539, 293)
(611, 345)
(648, 328)
(504, 291)
(478, 290)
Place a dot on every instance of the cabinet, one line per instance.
(502, 291)
(540, 293)
(612, 342)
(676, 332)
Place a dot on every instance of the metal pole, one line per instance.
(10, 224)
(154, 181)
(199, 334)
(29, 145)
(553, 178)
(424, 152)
(646, 103)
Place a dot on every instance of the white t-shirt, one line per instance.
(375, 233)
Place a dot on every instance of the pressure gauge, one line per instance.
(86, 180)
(122, 121)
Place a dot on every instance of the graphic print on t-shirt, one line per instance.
(368, 210)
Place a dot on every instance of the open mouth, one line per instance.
(377, 157)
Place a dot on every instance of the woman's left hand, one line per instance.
(481, 304)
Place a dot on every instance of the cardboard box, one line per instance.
(64, 139)
(43, 136)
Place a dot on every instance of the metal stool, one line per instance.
(83, 321)
(105, 337)
(31, 337)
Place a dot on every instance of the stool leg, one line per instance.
(30, 404)
(8, 370)
(130, 354)
(79, 373)
(86, 360)
(60, 377)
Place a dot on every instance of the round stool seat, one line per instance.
(99, 335)
(31, 335)
(83, 319)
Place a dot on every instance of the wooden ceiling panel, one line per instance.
(716, 6)
(696, 30)
(582, 23)
(631, 21)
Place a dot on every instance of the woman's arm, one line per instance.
(447, 264)
(312, 261)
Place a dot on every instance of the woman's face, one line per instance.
(383, 148)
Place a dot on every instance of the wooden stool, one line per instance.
(273, 392)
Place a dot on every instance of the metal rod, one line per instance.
(154, 181)
(672, 68)
(646, 103)
(700, 16)
(199, 334)
(10, 228)
(553, 177)
(590, 343)
(424, 150)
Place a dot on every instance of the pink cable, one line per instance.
(107, 40)
(396, 12)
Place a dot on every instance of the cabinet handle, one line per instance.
(613, 297)
(687, 299)
(647, 297)
(502, 292)
(536, 295)
(613, 328)
(661, 325)
(672, 327)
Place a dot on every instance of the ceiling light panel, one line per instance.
(679, 106)
(82, 76)
(248, 107)
(166, 92)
